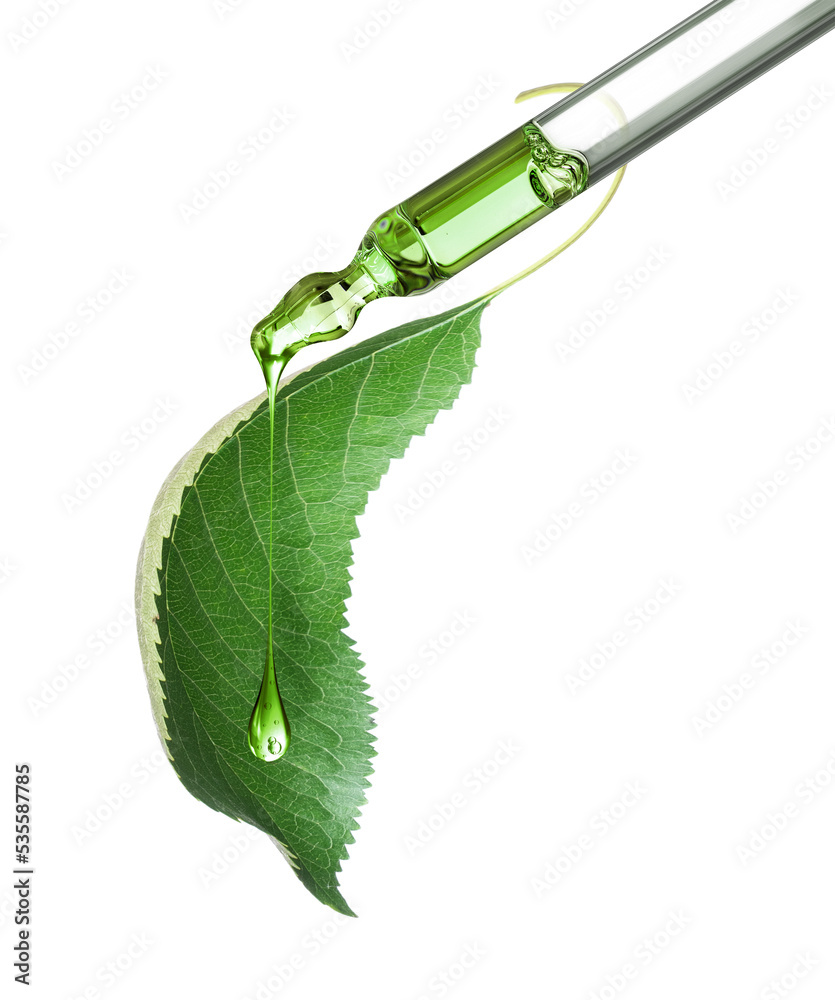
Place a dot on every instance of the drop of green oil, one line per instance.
(408, 250)
(269, 729)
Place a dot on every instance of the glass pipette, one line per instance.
(540, 165)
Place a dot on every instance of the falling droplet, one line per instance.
(269, 730)
(268, 735)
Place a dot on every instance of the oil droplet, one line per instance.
(268, 735)
(269, 730)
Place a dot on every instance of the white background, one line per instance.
(142, 874)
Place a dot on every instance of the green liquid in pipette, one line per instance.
(408, 250)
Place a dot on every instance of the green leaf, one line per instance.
(202, 586)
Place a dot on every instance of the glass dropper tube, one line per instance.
(537, 167)
(677, 77)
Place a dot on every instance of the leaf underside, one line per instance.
(202, 586)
